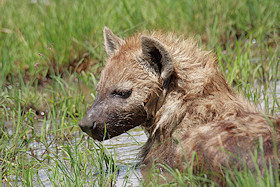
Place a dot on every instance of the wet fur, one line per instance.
(191, 110)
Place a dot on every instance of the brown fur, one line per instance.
(183, 102)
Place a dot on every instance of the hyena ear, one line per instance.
(158, 57)
(112, 42)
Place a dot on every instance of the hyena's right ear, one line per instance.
(112, 42)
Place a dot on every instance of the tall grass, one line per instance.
(42, 98)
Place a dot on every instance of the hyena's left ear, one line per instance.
(112, 42)
(158, 57)
(160, 62)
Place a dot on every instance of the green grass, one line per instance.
(44, 93)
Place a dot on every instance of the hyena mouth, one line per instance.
(88, 128)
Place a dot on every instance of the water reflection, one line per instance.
(127, 147)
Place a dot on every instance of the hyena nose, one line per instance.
(87, 127)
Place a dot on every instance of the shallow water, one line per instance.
(127, 146)
(266, 101)
(127, 149)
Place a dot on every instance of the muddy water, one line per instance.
(267, 96)
(126, 148)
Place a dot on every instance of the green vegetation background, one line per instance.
(51, 54)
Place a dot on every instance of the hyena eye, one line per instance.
(123, 94)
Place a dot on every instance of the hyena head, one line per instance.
(131, 85)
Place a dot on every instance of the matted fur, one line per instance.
(185, 105)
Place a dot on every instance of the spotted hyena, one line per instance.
(175, 91)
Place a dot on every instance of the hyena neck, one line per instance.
(210, 102)
(182, 110)
(198, 94)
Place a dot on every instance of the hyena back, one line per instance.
(175, 91)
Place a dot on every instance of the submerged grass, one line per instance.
(50, 59)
